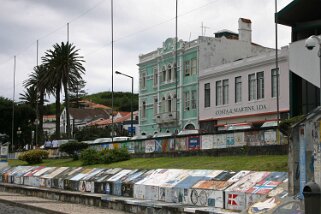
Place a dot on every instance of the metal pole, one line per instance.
(277, 71)
(319, 54)
(176, 76)
(13, 98)
(131, 108)
(67, 31)
(112, 72)
(37, 110)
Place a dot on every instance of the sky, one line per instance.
(140, 26)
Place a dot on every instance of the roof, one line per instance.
(225, 31)
(104, 122)
(246, 20)
(299, 11)
(92, 114)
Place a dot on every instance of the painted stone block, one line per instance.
(180, 144)
(207, 142)
(219, 141)
(235, 195)
(150, 146)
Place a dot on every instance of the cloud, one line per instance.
(140, 26)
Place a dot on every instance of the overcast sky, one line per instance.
(140, 26)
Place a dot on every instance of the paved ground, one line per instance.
(12, 203)
(12, 209)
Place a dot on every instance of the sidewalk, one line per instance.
(51, 206)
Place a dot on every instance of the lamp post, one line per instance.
(19, 132)
(310, 43)
(131, 102)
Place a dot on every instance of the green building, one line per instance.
(167, 105)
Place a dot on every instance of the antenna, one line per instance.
(204, 29)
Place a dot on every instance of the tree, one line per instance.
(23, 115)
(30, 97)
(77, 91)
(65, 69)
(38, 84)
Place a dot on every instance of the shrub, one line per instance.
(114, 155)
(33, 156)
(285, 125)
(90, 156)
(73, 148)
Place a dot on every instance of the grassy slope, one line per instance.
(255, 163)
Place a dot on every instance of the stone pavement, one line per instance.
(41, 205)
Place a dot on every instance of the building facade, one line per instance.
(244, 92)
(167, 104)
(304, 17)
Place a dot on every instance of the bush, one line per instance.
(73, 148)
(91, 156)
(33, 156)
(285, 125)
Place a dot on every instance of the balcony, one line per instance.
(167, 117)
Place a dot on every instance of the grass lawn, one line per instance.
(255, 163)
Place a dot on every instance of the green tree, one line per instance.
(37, 82)
(30, 97)
(24, 114)
(65, 69)
(77, 92)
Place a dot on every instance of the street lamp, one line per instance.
(19, 132)
(131, 102)
(310, 43)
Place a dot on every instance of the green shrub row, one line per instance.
(73, 148)
(92, 156)
(33, 156)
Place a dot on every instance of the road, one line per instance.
(12, 203)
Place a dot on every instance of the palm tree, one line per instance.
(36, 81)
(30, 97)
(65, 69)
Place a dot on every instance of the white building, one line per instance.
(244, 91)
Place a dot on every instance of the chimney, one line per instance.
(245, 30)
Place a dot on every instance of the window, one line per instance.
(193, 100)
(194, 66)
(144, 109)
(169, 104)
(274, 78)
(252, 87)
(143, 81)
(155, 77)
(260, 84)
(186, 100)
(174, 71)
(218, 93)
(187, 68)
(155, 106)
(163, 74)
(238, 89)
(207, 95)
(225, 92)
(162, 105)
(169, 73)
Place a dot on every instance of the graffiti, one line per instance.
(203, 142)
